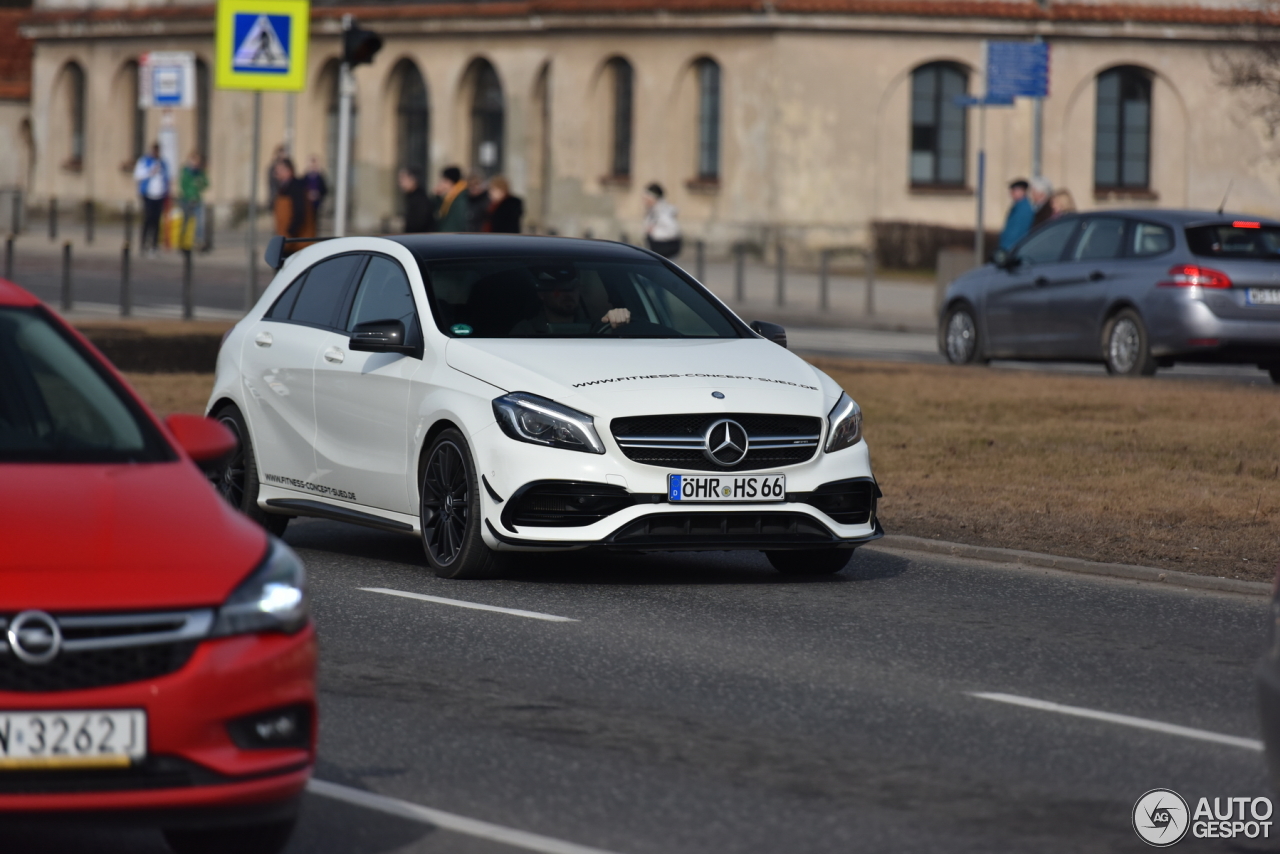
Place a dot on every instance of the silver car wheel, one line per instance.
(962, 337)
(1123, 350)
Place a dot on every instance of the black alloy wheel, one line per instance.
(238, 483)
(1125, 346)
(449, 511)
(810, 561)
(959, 336)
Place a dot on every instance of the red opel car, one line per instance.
(157, 658)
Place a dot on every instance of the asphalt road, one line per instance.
(704, 703)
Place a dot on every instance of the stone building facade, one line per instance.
(801, 120)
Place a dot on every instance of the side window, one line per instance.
(1151, 239)
(321, 294)
(1101, 238)
(383, 295)
(280, 310)
(1045, 246)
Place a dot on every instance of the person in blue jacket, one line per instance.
(1021, 215)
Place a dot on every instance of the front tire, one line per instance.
(449, 510)
(249, 839)
(810, 562)
(1126, 347)
(239, 482)
(958, 336)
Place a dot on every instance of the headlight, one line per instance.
(846, 424)
(529, 418)
(272, 599)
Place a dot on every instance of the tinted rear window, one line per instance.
(1229, 240)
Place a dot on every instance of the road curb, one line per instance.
(1072, 564)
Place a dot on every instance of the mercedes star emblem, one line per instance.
(34, 637)
(725, 443)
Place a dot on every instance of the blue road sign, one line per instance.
(261, 43)
(1017, 69)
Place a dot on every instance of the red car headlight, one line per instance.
(272, 599)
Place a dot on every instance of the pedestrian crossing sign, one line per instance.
(262, 44)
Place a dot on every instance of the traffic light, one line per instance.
(359, 46)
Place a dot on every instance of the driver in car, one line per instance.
(558, 291)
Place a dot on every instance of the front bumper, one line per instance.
(194, 771)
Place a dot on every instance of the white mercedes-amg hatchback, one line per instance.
(501, 394)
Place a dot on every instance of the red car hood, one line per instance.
(119, 537)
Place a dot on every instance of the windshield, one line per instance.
(1235, 240)
(547, 298)
(57, 406)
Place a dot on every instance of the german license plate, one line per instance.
(1263, 296)
(688, 488)
(98, 738)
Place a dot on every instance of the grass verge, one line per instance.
(1180, 475)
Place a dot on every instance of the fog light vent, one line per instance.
(285, 727)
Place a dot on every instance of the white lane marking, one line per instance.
(534, 615)
(1126, 720)
(449, 821)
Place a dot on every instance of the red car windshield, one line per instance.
(57, 405)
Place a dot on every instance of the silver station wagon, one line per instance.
(1136, 290)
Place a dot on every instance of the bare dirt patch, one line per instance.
(1180, 475)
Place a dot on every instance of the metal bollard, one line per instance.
(53, 217)
(126, 287)
(89, 211)
(781, 297)
(66, 276)
(700, 261)
(208, 229)
(824, 270)
(870, 308)
(128, 224)
(739, 272)
(188, 298)
(8, 258)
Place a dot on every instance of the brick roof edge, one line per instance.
(995, 9)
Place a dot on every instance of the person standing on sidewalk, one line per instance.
(292, 211)
(153, 186)
(661, 229)
(417, 206)
(505, 209)
(452, 209)
(1039, 194)
(1017, 224)
(191, 186)
(317, 187)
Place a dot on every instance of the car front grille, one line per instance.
(676, 441)
(712, 530)
(102, 650)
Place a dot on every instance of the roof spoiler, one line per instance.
(280, 248)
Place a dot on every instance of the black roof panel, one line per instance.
(434, 247)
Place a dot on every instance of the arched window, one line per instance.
(487, 120)
(1122, 137)
(76, 116)
(708, 71)
(412, 120)
(204, 94)
(938, 125)
(620, 154)
(132, 85)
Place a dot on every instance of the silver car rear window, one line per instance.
(1237, 239)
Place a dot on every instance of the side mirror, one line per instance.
(381, 336)
(772, 331)
(1004, 259)
(206, 441)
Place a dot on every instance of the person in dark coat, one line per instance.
(477, 202)
(505, 209)
(418, 217)
(293, 214)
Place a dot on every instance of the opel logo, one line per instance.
(725, 443)
(34, 637)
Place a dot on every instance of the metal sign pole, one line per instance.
(346, 88)
(979, 232)
(1037, 131)
(251, 285)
